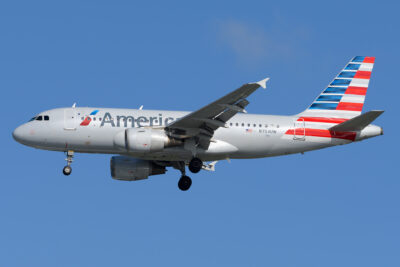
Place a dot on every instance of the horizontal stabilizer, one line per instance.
(357, 123)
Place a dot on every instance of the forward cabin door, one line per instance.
(299, 130)
(70, 119)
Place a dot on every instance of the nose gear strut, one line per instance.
(67, 169)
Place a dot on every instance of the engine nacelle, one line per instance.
(130, 169)
(143, 140)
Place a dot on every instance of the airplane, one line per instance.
(146, 142)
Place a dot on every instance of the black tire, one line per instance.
(195, 165)
(67, 170)
(184, 183)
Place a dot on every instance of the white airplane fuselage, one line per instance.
(245, 135)
(149, 141)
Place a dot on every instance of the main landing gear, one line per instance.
(67, 169)
(195, 166)
(184, 182)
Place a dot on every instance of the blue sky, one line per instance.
(334, 207)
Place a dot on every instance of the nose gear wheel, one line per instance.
(68, 169)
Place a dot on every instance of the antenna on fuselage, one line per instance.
(141, 107)
(74, 105)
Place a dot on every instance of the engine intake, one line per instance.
(130, 169)
(143, 140)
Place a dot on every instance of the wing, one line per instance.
(201, 124)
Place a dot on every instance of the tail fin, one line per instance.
(344, 97)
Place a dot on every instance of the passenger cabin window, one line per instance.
(46, 118)
(39, 118)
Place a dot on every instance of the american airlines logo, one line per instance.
(88, 119)
(128, 121)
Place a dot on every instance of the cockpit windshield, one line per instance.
(40, 118)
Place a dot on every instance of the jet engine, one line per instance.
(143, 140)
(130, 169)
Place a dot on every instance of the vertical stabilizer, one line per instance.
(345, 95)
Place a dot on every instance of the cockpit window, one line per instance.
(41, 118)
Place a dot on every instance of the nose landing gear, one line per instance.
(67, 169)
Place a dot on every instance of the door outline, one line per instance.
(70, 119)
(299, 129)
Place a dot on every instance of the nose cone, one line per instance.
(21, 134)
(18, 134)
(31, 135)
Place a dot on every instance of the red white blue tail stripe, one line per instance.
(342, 100)
(345, 95)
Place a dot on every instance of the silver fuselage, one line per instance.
(246, 135)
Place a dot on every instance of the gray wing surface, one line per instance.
(202, 123)
(358, 123)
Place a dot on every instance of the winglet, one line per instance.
(263, 83)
